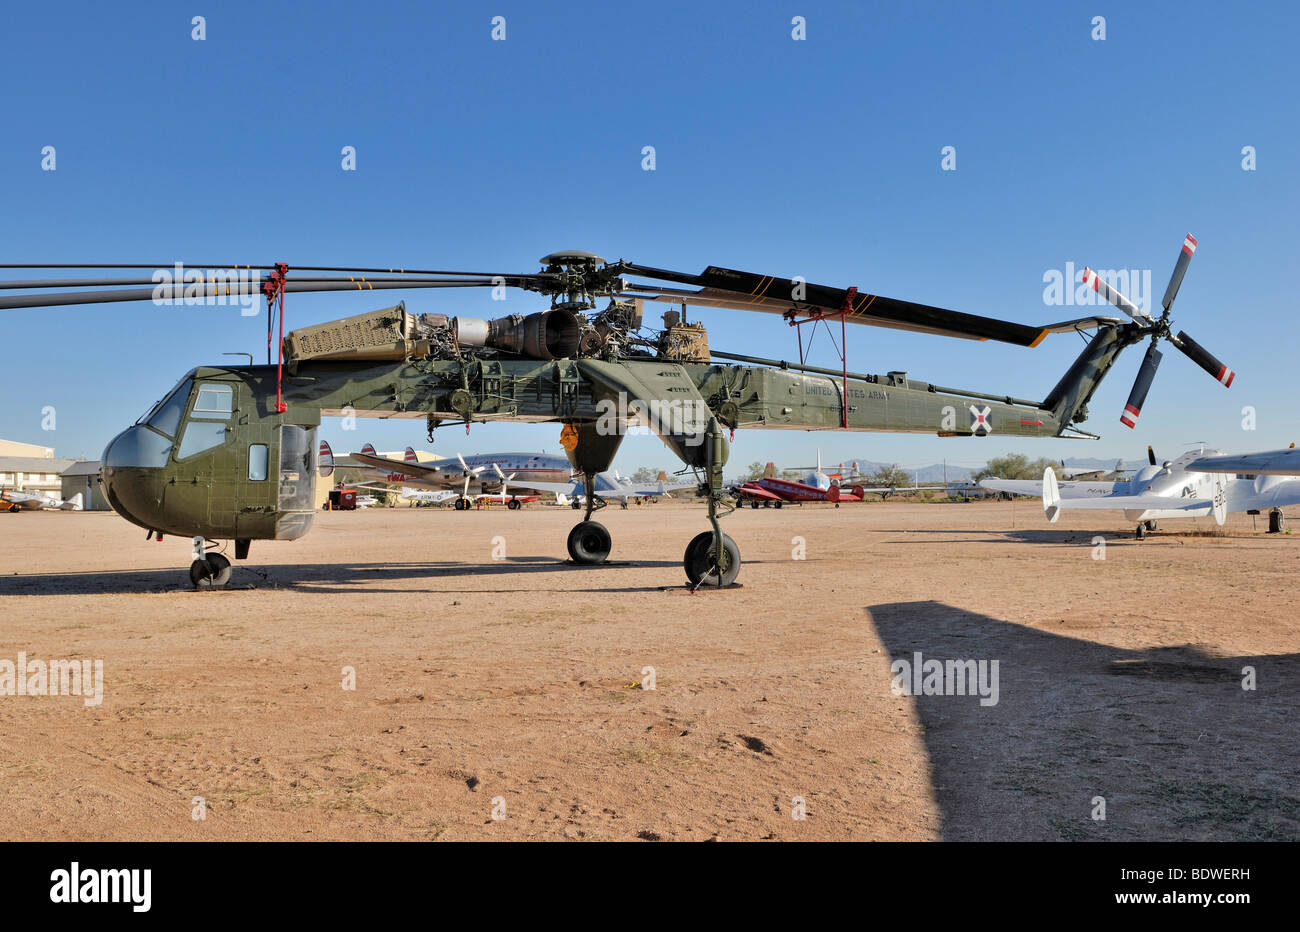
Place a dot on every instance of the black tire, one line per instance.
(1141, 533)
(589, 543)
(778, 504)
(1152, 526)
(754, 503)
(210, 572)
(514, 504)
(1276, 521)
(698, 561)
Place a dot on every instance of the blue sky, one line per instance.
(818, 158)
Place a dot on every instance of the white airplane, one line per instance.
(1168, 490)
(420, 497)
(613, 487)
(15, 501)
(1256, 466)
(1092, 473)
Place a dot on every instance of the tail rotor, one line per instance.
(1159, 328)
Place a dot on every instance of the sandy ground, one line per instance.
(512, 684)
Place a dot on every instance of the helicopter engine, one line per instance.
(544, 335)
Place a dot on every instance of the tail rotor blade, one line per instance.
(1103, 288)
(1138, 396)
(1180, 269)
(1204, 358)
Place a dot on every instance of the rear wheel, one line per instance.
(589, 543)
(1141, 533)
(699, 565)
(514, 504)
(1276, 521)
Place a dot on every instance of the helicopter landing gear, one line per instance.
(1276, 521)
(589, 543)
(209, 570)
(702, 569)
(712, 558)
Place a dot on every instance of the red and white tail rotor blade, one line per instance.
(1180, 269)
(1103, 288)
(1138, 396)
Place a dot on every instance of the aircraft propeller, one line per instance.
(1159, 329)
(504, 479)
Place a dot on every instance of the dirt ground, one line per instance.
(513, 687)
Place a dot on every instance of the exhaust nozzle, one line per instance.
(545, 335)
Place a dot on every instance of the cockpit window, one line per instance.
(166, 414)
(214, 401)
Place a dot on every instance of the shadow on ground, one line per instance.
(1167, 736)
(337, 577)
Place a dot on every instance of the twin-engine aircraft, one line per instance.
(1178, 489)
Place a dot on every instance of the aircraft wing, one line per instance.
(758, 492)
(1034, 487)
(449, 477)
(1192, 506)
(1272, 463)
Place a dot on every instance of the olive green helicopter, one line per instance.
(231, 452)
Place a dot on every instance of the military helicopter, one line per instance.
(231, 452)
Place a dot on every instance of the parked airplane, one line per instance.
(470, 476)
(1166, 490)
(815, 486)
(1260, 467)
(419, 497)
(15, 501)
(615, 488)
(1086, 473)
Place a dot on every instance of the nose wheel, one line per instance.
(210, 572)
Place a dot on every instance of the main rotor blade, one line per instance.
(1203, 358)
(1141, 385)
(181, 292)
(360, 281)
(747, 291)
(1103, 288)
(1180, 269)
(260, 268)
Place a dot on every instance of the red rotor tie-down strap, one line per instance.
(844, 352)
(273, 288)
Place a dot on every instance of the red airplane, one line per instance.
(817, 486)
